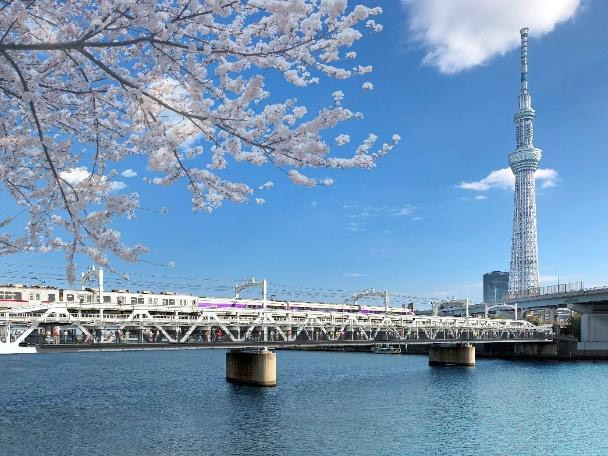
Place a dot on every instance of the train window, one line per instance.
(31, 296)
(171, 302)
(8, 295)
(140, 301)
(69, 297)
(120, 300)
(18, 295)
(1, 294)
(51, 298)
(133, 300)
(165, 302)
(89, 298)
(107, 299)
(37, 296)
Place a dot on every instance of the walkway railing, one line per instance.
(574, 287)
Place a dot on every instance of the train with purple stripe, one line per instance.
(20, 295)
(299, 306)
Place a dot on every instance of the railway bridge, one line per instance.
(249, 333)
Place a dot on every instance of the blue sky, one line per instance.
(406, 225)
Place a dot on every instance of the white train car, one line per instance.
(123, 297)
(19, 295)
(144, 297)
(299, 306)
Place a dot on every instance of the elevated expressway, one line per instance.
(591, 303)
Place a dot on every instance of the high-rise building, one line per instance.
(495, 286)
(524, 162)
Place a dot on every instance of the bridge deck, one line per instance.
(271, 345)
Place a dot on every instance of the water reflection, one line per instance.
(325, 403)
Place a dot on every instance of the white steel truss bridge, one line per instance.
(98, 325)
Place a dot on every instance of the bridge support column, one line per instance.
(252, 368)
(455, 355)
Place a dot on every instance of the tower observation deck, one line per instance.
(524, 162)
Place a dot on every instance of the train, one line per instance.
(12, 295)
(22, 295)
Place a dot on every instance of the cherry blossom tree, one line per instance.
(85, 84)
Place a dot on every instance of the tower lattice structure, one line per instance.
(524, 162)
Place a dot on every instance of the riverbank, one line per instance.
(563, 349)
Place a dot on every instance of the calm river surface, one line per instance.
(178, 403)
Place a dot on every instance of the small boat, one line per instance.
(13, 348)
(386, 349)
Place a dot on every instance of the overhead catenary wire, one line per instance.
(191, 284)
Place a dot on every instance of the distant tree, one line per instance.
(573, 326)
(533, 319)
(161, 78)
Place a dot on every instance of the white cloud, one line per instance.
(504, 178)
(481, 197)
(380, 211)
(548, 177)
(128, 173)
(353, 274)
(462, 34)
(314, 203)
(75, 176)
(117, 185)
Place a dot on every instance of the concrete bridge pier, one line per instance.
(452, 355)
(258, 368)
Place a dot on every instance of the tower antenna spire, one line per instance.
(524, 59)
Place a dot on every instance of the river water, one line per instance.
(326, 403)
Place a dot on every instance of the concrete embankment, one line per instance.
(563, 349)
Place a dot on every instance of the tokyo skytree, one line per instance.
(524, 162)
